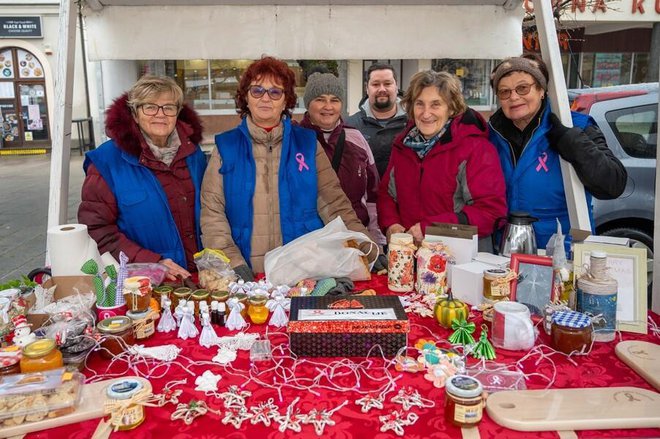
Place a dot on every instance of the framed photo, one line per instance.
(533, 286)
(628, 266)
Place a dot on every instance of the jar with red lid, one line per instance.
(571, 331)
(10, 359)
(137, 292)
(114, 329)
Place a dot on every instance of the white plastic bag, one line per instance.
(317, 255)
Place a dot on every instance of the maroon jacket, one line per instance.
(357, 172)
(98, 209)
(459, 181)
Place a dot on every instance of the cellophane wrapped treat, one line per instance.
(36, 396)
(215, 273)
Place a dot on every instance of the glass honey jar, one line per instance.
(257, 310)
(197, 297)
(137, 292)
(464, 403)
(115, 328)
(497, 284)
(133, 414)
(180, 293)
(219, 295)
(571, 331)
(162, 291)
(41, 355)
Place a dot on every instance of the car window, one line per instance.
(636, 128)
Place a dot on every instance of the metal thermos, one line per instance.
(519, 236)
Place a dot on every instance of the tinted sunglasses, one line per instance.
(257, 91)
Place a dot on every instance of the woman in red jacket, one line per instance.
(443, 167)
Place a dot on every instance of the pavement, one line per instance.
(24, 193)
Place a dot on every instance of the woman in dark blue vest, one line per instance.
(530, 139)
(141, 190)
(268, 181)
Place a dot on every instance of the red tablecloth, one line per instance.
(600, 368)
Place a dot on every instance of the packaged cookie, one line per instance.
(35, 396)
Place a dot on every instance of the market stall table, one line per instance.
(601, 368)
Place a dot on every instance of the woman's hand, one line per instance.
(416, 232)
(174, 269)
(394, 228)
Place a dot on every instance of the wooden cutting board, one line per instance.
(575, 409)
(90, 407)
(643, 357)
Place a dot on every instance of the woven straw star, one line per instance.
(236, 416)
(264, 412)
(369, 402)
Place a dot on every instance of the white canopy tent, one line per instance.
(298, 29)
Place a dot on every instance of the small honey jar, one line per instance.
(41, 355)
(162, 291)
(571, 331)
(143, 323)
(180, 293)
(257, 311)
(197, 297)
(497, 284)
(219, 295)
(464, 402)
(115, 327)
(242, 298)
(133, 415)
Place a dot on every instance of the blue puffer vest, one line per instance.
(144, 212)
(534, 184)
(297, 183)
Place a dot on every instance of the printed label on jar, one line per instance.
(468, 414)
(132, 415)
(598, 304)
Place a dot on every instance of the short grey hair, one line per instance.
(149, 86)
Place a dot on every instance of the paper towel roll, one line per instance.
(69, 247)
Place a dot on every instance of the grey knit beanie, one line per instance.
(518, 64)
(322, 84)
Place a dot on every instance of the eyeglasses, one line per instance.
(521, 90)
(257, 91)
(152, 109)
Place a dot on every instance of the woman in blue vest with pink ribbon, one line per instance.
(268, 181)
(530, 139)
(141, 190)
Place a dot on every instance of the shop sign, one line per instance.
(21, 27)
(600, 6)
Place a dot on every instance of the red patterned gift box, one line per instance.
(347, 326)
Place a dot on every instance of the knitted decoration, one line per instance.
(483, 348)
(323, 286)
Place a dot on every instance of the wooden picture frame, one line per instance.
(628, 266)
(532, 270)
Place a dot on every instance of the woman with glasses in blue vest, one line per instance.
(268, 181)
(530, 139)
(141, 190)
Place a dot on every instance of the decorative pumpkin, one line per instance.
(449, 309)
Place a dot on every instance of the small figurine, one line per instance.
(278, 306)
(167, 322)
(187, 328)
(208, 336)
(23, 335)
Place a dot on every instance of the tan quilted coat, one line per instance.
(266, 234)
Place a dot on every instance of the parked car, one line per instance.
(628, 117)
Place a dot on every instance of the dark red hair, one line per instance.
(267, 67)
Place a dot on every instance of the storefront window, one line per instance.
(640, 68)
(474, 75)
(606, 69)
(211, 84)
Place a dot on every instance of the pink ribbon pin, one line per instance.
(542, 159)
(300, 158)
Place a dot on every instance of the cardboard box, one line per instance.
(347, 326)
(66, 286)
(467, 282)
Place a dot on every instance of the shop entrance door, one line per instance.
(23, 106)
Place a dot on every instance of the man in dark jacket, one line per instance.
(381, 116)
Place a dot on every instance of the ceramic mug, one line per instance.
(512, 326)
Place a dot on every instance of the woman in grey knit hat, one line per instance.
(346, 148)
(530, 139)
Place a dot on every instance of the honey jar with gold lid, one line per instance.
(257, 311)
(41, 355)
(115, 328)
(197, 297)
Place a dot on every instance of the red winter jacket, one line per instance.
(98, 209)
(459, 181)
